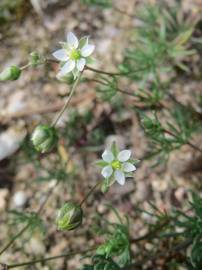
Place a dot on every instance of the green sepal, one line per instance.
(114, 149)
(134, 161)
(83, 41)
(101, 163)
(11, 73)
(107, 183)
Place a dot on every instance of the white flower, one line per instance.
(73, 55)
(117, 166)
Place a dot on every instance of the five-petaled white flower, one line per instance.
(117, 166)
(73, 55)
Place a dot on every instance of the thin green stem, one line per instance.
(48, 60)
(89, 193)
(117, 89)
(166, 131)
(67, 101)
(14, 238)
(64, 255)
(103, 72)
(25, 66)
(188, 142)
(113, 73)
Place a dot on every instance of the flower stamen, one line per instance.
(75, 55)
(116, 164)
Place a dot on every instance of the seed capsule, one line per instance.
(11, 73)
(69, 216)
(44, 138)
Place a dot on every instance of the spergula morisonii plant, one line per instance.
(160, 44)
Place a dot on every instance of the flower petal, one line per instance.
(68, 67)
(80, 64)
(72, 40)
(107, 171)
(128, 167)
(120, 177)
(108, 156)
(124, 155)
(87, 50)
(61, 55)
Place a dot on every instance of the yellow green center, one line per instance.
(116, 164)
(75, 55)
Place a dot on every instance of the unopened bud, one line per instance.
(11, 73)
(69, 216)
(147, 123)
(36, 59)
(44, 138)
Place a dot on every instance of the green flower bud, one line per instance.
(44, 138)
(147, 123)
(68, 78)
(69, 216)
(11, 73)
(36, 59)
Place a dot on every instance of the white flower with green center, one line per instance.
(116, 165)
(74, 55)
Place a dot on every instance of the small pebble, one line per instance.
(19, 199)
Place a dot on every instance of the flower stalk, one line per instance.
(89, 193)
(42, 260)
(67, 101)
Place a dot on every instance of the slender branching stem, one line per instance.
(103, 72)
(90, 192)
(188, 142)
(195, 112)
(27, 226)
(13, 239)
(117, 89)
(113, 73)
(89, 68)
(49, 60)
(42, 260)
(194, 147)
(166, 131)
(25, 66)
(67, 101)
